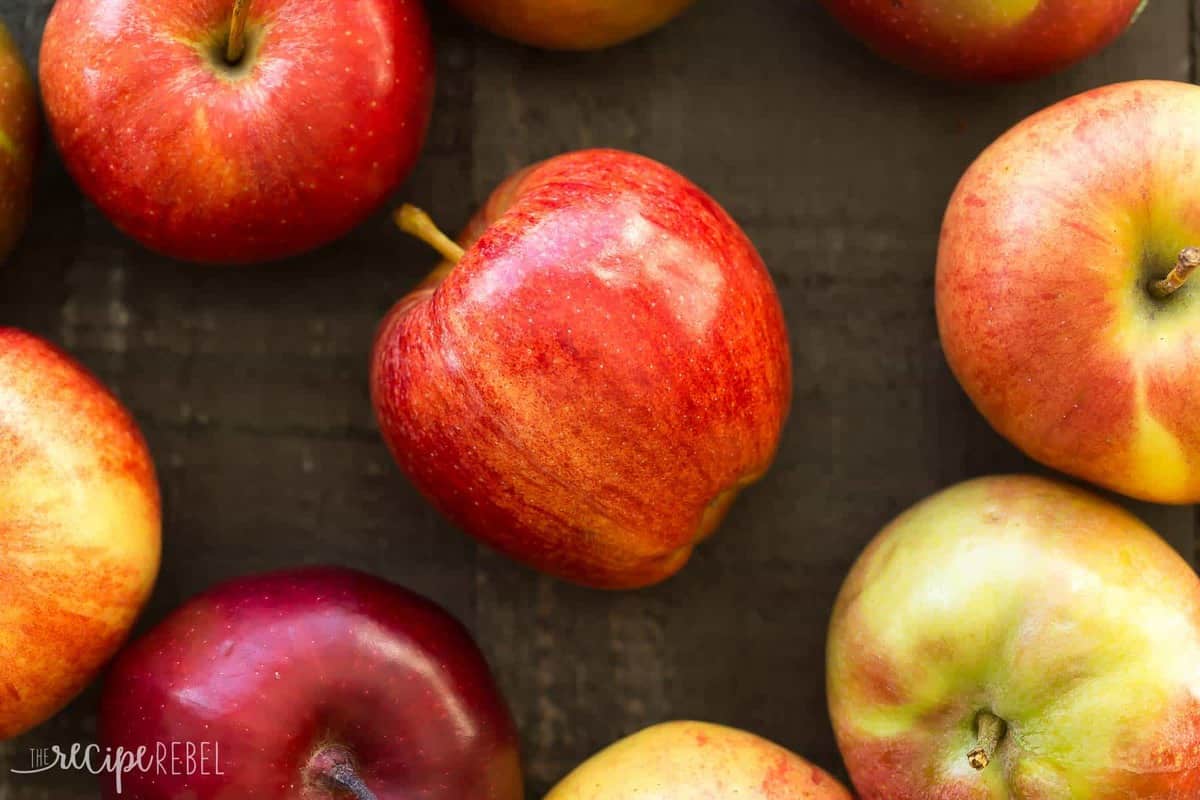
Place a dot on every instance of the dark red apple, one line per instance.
(265, 146)
(599, 375)
(986, 40)
(314, 684)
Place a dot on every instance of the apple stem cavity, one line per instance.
(237, 32)
(332, 768)
(989, 731)
(1189, 259)
(416, 222)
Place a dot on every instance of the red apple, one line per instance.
(1053, 304)
(571, 24)
(214, 147)
(986, 40)
(80, 529)
(18, 142)
(597, 377)
(1012, 637)
(312, 684)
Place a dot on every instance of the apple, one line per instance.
(587, 382)
(1061, 293)
(314, 684)
(237, 131)
(1012, 637)
(18, 142)
(80, 529)
(686, 760)
(986, 40)
(571, 24)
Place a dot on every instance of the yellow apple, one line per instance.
(571, 24)
(79, 529)
(697, 761)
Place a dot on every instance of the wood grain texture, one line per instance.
(251, 385)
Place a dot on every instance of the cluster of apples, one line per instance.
(596, 369)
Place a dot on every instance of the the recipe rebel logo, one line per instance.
(176, 758)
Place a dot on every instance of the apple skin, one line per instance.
(18, 143)
(571, 24)
(304, 138)
(697, 761)
(591, 385)
(1056, 611)
(274, 668)
(1047, 251)
(80, 529)
(986, 40)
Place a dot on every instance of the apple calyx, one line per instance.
(1189, 260)
(989, 731)
(416, 222)
(332, 768)
(237, 32)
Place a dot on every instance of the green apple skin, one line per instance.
(1056, 612)
(18, 142)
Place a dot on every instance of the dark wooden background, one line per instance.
(251, 385)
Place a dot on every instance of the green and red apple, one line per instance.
(1012, 637)
(571, 24)
(18, 142)
(986, 40)
(697, 761)
(1062, 292)
(79, 529)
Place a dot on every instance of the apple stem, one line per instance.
(1189, 259)
(237, 31)
(989, 730)
(416, 222)
(343, 778)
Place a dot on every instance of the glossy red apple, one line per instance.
(986, 40)
(1012, 637)
(80, 529)
(18, 142)
(1061, 308)
(597, 377)
(265, 146)
(312, 684)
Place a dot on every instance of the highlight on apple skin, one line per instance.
(986, 40)
(1016, 637)
(603, 370)
(232, 149)
(80, 529)
(571, 24)
(694, 760)
(1062, 294)
(18, 142)
(314, 683)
